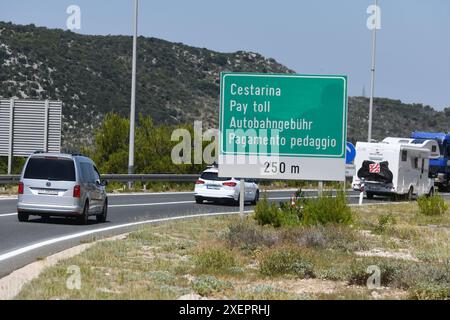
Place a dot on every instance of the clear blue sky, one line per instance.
(315, 36)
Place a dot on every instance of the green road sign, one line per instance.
(293, 119)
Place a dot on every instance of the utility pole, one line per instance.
(372, 85)
(133, 94)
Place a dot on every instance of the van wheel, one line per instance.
(102, 216)
(409, 195)
(369, 195)
(84, 218)
(23, 217)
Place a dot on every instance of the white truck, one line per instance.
(396, 167)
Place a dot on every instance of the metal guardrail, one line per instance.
(11, 179)
(151, 177)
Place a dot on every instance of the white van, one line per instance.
(394, 167)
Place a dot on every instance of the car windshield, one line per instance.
(212, 176)
(50, 169)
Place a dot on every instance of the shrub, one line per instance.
(214, 260)
(400, 274)
(206, 285)
(384, 221)
(327, 209)
(286, 261)
(264, 292)
(389, 271)
(339, 237)
(431, 206)
(318, 211)
(246, 235)
(426, 291)
(266, 213)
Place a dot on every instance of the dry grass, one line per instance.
(223, 257)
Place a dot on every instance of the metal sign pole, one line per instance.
(133, 95)
(241, 197)
(11, 134)
(372, 80)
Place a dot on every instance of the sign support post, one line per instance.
(241, 197)
(320, 191)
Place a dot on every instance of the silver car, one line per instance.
(54, 184)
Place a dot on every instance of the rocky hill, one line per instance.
(176, 83)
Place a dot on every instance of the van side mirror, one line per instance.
(104, 183)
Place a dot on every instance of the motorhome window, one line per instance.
(404, 155)
(423, 165)
(433, 149)
(416, 163)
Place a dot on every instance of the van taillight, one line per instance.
(199, 182)
(77, 191)
(229, 184)
(20, 189)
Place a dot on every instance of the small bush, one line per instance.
(286, 261)
(263, 292)
(206, 285)
(384, 222)
(428, 291)
(313, 238)
(389, 271)
(432, 206)
(267, 214)
(214, 260)
(317, 211)
(246, 235)
(327, 209)
(400, 274)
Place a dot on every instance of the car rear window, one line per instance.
(212, 176)
(56, 169)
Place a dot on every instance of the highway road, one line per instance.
(25, 242)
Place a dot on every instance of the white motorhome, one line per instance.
(394, 167)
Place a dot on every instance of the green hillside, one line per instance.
(176, 83)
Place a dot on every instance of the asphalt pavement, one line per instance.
(24, 242)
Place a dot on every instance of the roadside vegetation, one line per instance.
(318, 257)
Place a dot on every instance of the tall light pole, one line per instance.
(133, 94)
(372, 85)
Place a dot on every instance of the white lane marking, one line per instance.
(8, 214)
(8, 198)
(41, 244)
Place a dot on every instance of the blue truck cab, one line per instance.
(439, 167)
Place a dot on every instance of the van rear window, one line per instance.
(55, 169)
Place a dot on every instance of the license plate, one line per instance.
(213, 187)
(48, 192)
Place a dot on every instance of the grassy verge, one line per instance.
(225, 257)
